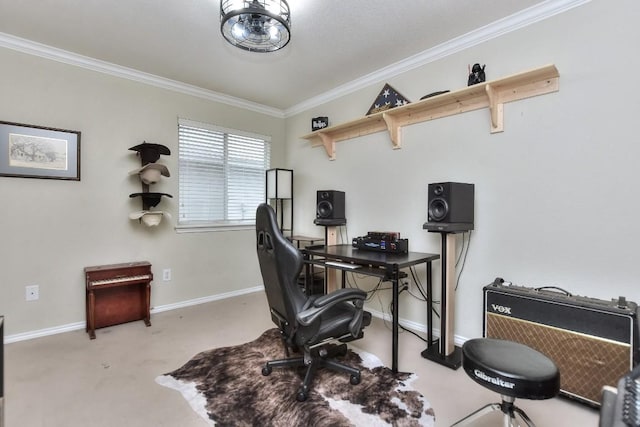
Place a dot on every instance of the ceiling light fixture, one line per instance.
(256, 25)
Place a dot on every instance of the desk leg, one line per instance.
(429, 305)
(395, 316)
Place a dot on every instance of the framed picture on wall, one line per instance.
(28, 151)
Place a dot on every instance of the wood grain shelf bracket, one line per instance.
(491, 95)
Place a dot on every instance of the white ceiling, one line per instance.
(334, 42)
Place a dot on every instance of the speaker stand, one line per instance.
(444, 351)
(330, 274)
(453, 360)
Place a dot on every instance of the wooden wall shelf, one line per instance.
(492, 95)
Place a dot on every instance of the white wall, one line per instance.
(556, 193)
(50, 229)
(557, 197)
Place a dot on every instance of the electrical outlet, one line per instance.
(409, 285)
(32, 293)
(166, 274)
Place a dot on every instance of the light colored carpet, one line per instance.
(225, 386)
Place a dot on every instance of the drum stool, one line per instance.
(511, 369)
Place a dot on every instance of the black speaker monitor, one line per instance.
(330, 207)
(451, 203)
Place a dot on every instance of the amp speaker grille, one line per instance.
(586, 362)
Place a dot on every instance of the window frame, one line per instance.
(225, 224)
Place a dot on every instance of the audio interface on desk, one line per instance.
(382, 242)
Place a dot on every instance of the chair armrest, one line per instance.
(325, 302)
(346, 294)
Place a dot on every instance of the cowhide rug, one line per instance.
(226, 387)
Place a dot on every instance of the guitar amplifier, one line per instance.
(593, 342)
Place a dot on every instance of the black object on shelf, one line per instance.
(476, 75)
(432, 94)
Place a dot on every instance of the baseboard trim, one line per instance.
(159, 309)
(44, 332)
(414, 326)
(409, 324)
(204, 300)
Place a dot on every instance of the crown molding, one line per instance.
(48, 52)
(526, 17)
(539, 12)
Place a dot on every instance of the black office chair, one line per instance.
(306, 323)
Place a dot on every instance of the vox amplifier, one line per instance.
(593, 342)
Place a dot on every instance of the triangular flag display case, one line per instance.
(491, 94)
(387, 99)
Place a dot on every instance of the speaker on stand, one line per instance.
(330, 213)
(450, 207)
(450, 210)
(330, 208)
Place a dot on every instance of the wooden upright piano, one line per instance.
(117, 293)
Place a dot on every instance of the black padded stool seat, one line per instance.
(511, 369)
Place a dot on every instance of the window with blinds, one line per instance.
(221, 174)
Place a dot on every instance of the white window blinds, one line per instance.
(222, 174)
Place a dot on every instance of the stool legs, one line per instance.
(510, 411)
(471, 418)
(510, 414)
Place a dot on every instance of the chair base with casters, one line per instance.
(514, 371)
(313, 359)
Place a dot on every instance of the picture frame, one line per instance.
(28, 151)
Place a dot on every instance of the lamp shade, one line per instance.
(279, 183)
(256, 25)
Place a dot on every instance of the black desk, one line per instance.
(379, 264)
